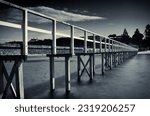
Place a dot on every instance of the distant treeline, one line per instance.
(142, 41)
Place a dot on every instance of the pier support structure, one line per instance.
(16, 72)
(90, 62)
(112, 59)
(67, 71)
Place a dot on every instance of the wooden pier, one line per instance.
(111, 53)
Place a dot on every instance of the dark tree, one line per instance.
(112, 36)
(125, 33)
(137, 38)
(125, 38)
(147, 32)
(147, 36)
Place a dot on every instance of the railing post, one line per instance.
(100, 45)
(109, 45)
(54, 37)
(94, 43)
(94, 51)
(25, 32)
(105, 45)
(72, 40)
(85, 41)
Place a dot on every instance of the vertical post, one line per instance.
(94, 51)
(91, 67)
(102, 63)
(100, 45)
(94, 64)
(94, 44)
(78, 67)
(1, 78)
(85, 41)
(105, 44)
(110, 55)
(109, 45)
(115, 59)
(72, 40)
(52, 74)
(19, 81)
(67, 73)
(113, 46)
(54, 37)
(25, 32)
(111, 58)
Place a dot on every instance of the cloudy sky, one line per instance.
(101, 16)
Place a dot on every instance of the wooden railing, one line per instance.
(110, 45)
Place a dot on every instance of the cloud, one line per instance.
(57, 14)
(63, 15)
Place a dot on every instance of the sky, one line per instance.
(101, 16)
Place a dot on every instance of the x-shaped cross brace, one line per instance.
(16, 71)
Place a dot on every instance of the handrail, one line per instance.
(111, 45)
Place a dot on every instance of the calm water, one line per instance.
(129, 80)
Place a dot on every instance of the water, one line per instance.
(129, 80)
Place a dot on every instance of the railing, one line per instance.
(110, 45)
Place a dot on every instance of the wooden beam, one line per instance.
(9, 81)
(72, 40)
(25, 32)
(19, 81)
(8, 24)
(78, 67)
(102, 63)
(84, 67)
(52, 74)
(94, 64)
(54, 37)
(111, 60)
(85, 41)
(12, 89)
(91, 67)
(94, 44)
(67, 74)
(1, 77)
(100, 46)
